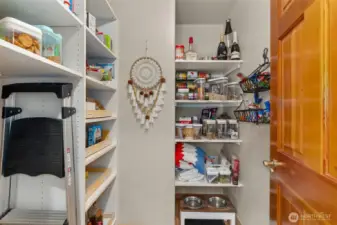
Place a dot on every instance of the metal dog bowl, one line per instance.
(217, 202)
(193, 202)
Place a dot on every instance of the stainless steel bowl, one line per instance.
(217, 202)
(193, 202)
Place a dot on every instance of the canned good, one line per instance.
(180, 49)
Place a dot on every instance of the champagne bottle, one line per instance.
(222, 49)
(235, 52)
(229, 36)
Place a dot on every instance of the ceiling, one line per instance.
(203, 11)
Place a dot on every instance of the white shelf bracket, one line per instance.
(232, 70)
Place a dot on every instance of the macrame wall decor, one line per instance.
(146, 88)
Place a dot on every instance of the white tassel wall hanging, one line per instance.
(146, 88)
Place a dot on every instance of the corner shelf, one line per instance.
(204, 183)
(47, 12)
(94, 114)
(96, 48)
(207, 65)
(99, 85)
(20, 62)
(96, 120)
(109, 219)
(98, 181)
(102, 10)
(98, 150)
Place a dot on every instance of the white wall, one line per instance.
(146, 159)
(251, 19)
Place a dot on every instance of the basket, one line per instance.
(252, 115)
(256, 83)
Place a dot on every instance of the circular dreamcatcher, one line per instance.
(146, 88)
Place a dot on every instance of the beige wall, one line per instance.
(146, 159)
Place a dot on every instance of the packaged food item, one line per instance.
(225, 175)
(108, 41)
(51, 44)
(90, 106)
(197, 130)
(203, 75)
(182, 94)
(233, 129)
(212, 175)
(99, 217)
(21, 34)
(108, 70)
(179, 130)
(188, 132)
(195, 120)
(185, 120)
(190, 96)
(235, 170)
(94, 134)
(221, 128)
(192, 75)
(181, 75)
(201, 88)
(180, 50)
(211, 127)
(100, 36)
(91, 22)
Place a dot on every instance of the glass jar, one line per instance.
(233, 129)
(233, 91)
(221, 128)
(211, 129)
(225, 176)
(218, 89)
(182, 94)
(201, 88)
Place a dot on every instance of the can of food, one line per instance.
(180, 49)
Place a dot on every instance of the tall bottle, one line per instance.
(191, 54)
(235, 52)
(222, 49)
(229, 36)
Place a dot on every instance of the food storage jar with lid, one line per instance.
(197, 130)
(218, 88)
(234, 91)
(21, 34)
(211, 129)
(212, 175)
(51, 44)
(179, 130)
(233, 129)
(225, 175)
(201, 88)
(182, 94)
(221, 128)
(188, 132)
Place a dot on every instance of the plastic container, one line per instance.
(179, 130)
(197, 130)
(21, 34)
(188, 132)
(233, 129)
(212, 175)
(211, 129)
(218, 88)
(182, 94)
(225, 175)
(233, 91)
(51, 44)
(201, 88)
(221, 128)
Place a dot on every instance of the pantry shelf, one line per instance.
(96, 151)
(20, 62)
(99, 85)
(47, 12)
(205, 140)
(204, 183)
(102, 10)
(207, 65)
(96, 48)
(98, 181)
(96, 120)
(109, 219)
(94, 114)
(206, 103)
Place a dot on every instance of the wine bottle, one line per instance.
(222, 49)
(235, 53)
(229, 36)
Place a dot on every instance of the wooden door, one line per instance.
(304, 112)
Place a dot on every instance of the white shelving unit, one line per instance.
(207, 65)
(205, 140)
(80, 46)
(204, 183)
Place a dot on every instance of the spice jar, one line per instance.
(233, 129)
(201, 88)
(211, 128)
(197, 130)
(182, 94)
(221, 128)
(188, 132)
(225, 175)
(233, 91)
(179, 130)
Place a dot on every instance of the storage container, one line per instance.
(188, 132)
(182, 94)
(224, 175)
(218, 88)
(179, 130)
(51, 44)
(201, 88)
(233, 129)
(21, 34)
(234, 91)
(221, 128)
(197, 131)
(212, 175)
(211, 129)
